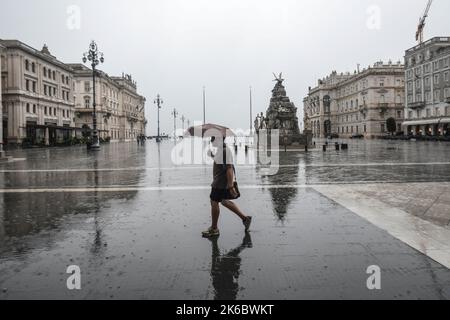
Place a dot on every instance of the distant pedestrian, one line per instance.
(224, 188)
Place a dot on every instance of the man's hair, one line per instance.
(213, 138)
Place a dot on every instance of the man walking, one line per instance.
(223, 188)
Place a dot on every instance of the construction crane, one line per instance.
(419, 33)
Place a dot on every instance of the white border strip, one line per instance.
(426, 237)
(373, 164)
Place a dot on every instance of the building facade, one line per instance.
(108, 109)
(120, 109)
(47, 102)
(37, 96)
(357, 104)
(133, 122)
(427, 76)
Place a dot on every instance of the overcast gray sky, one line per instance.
(175, 47)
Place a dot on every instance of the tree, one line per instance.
(391, 125)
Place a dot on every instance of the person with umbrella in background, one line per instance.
(224, 187)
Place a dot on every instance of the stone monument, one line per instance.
(282, 115)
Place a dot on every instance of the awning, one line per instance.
(41, 126)
(425, 122)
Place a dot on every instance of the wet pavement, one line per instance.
(131, 221)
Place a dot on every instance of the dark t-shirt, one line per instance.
(222, 161)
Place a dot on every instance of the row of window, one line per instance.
(48, 73)
(29, 66)
(111, 93)
(426, 68)
(47, 110)
(427, 81)
(355, 117)
(350, 129)
(428, 113)
(50, 91)
(365, 84)
(428, 97)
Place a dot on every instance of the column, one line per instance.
(47, 138)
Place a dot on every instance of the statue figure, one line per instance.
(279, 79)
(263, 121)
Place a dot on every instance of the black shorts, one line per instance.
(218, 195)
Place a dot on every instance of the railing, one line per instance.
(383, 107)
(85, 110)
(416, 105)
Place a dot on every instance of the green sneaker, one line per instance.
(211, 233)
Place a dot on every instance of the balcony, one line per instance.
(417, 105)
(84, 110)
(383, 107)
(132, 117)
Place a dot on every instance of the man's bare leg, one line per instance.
(230, 205)
(215, 213)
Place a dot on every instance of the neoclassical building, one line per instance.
(133, 108)
(357, 104)
(108, 109)
(47, 102)
(37, 96)
(428, 88)
(120, 109)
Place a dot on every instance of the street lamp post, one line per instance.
(251, 112)
(204, 105)
(158, 101)
(183, 119)
(175, 115)
(95, 57)
(327, 111)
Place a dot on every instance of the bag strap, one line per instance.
(224, 165)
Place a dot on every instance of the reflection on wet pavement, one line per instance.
(225, 269)
(146, 244)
